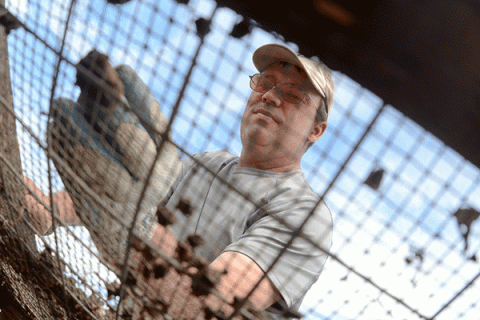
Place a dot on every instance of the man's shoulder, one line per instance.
(299, 184)
(300, 191)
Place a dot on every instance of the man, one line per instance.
(263, 223)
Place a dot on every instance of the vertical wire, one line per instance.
(175, 110)
(49, 148)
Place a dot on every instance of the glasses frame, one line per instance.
(275, 85)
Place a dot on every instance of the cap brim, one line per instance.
(271, 53)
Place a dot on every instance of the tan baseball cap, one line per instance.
(318, 73)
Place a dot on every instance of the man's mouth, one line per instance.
(265, 113)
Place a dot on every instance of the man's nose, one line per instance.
(274, 95)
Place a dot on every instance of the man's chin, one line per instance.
(260, 136)
(262, 122)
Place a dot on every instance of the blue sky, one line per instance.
(424, 184)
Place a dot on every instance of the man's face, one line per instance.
(274, 124)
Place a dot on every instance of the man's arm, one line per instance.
(242, 274)
(239, 275)
(40, 216)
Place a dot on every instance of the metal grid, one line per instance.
(398, 250)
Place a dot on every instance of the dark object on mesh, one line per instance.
(165, 217)
(160, 268)
(184, 251)
(117, 1)
(195, 240)
(204, 280)
(210, 314)
(465, 218)
(185, 207)
(9, 21)
(137, 243)
(241, 29)
(203, 27)
(375, 179)
(416, 254)
(113, 289)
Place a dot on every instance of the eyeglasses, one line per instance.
(290, 92)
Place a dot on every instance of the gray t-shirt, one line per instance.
(257, 217)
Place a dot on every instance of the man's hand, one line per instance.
(39, 216)
(35, 202)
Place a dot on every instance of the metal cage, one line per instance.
(404, 205)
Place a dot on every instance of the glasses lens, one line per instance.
(261, 84)
(290, 93)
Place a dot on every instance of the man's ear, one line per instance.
(317, 131)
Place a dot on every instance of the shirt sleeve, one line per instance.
(293, 262)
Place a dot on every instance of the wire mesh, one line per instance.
(401, 249)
